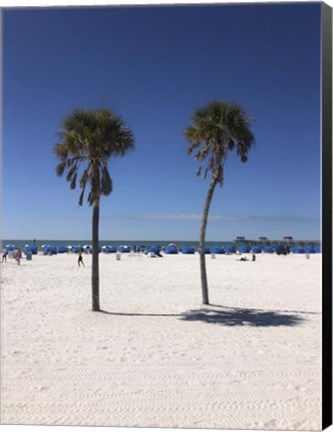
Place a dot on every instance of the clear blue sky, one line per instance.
(154, 66)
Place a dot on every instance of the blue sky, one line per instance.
(154, 66)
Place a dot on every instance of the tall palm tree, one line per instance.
(88, 140)
(216, 129)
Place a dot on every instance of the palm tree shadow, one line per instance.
(227, 316)
(242, 317)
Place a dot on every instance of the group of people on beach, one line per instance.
(17, 254)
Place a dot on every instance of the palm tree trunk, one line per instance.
(95, 264)
(204, 283)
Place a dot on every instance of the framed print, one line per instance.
(166, 236)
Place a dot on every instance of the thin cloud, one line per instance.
(216, 217)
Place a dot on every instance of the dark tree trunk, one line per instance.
(95, 264)
(204, 283)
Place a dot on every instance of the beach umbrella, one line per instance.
(309, 249)
(218, 250)
(207, 250)
(230, 249)
(156, 249)
(298, 250)
(124, 249)
(62, 249)
(30, 248)
(244, 249)
(171, 249)
(187, 249)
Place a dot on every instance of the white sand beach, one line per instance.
(156, 357)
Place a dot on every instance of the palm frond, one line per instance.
(81, 197)
(73, 181)
(60, 168)
(106, 186)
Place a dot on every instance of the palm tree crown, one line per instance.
(217, 129)
(91, 138)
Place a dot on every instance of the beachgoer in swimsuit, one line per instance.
(80, 260)
(4, 256)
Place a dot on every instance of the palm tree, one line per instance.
(88, 140)
(216, 129)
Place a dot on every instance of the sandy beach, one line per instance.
(155, 357)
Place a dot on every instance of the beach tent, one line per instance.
(62, 249)
(87, 248)
(207, 250)
(244, 249)
(109, 249)
(30, 248)
(230, 249)
(77, 248)
(171, 249)
(217, 250)
(309, 249)
(50, 250)
(256, 249)
(10, 247)
(298, 250)
(268, 249)
(187, 249)
(156, 249)
(124, 249)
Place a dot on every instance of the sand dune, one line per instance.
(155, 357)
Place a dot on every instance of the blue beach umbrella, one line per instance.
(298, 250)
(10, 247)
(230, 249)
(268, 249)
(207, 250)
(187, 249)
(244, 249)
(218, 250)
(30, 248)
(154, 248)
(62, 249)
(171, 250)
(124, 249)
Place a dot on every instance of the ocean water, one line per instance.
(21, 243)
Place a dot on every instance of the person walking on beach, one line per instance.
(18, 256)
(4, 256)
(80, 259)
